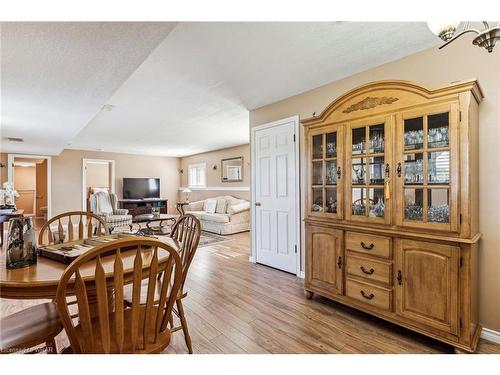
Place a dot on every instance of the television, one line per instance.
(140, 188)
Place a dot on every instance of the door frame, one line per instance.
(298, 209)
(86, 161)
(10, 174)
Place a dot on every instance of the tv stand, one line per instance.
(143, 206)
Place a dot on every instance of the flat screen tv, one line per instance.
(140, 188)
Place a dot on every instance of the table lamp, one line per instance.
(187, 191)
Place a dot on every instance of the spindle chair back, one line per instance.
(88, 223)
(187, 230)
(113, 328)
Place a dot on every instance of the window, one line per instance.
(197, 175)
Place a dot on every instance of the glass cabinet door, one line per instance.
(368, 168)
(427, 162)
(325, 172)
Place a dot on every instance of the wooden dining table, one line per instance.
(40, 281)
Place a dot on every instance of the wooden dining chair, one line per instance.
(30, 327)
(88, 223)
(187, 231)
(100, 274)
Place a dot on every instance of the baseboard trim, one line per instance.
(302, 275)
(490, 335)
(251, 259)
(217, 188)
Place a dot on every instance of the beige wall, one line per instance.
(214, 179)
(67, 176)
(433, 68)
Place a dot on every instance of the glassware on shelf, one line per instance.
(439, 213)
(317, 173)
(331, 173)
(377, 209)
(359, 202)
(438, 132)
(317, 201)
(414, 169)
(377, 202)
(317, 146)
(377, 139)
(331, 145)
(358, 140)
(331, 200)
(438, 206)
(358, 172)
(377, 170)
(414, 204)
(414, 133)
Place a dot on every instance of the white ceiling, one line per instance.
(191, 94)
(55, 77)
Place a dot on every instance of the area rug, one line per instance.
(208, 238)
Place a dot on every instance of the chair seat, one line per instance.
(160, 344)
(29, 327)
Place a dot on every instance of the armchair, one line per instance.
(104, 204)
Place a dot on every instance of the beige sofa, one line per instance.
(227, 215)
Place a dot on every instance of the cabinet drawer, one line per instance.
(369, 269)
(369, 294)
(368, 244)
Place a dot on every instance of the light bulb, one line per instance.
(445, 30)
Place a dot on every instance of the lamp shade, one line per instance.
(445, 29)
(187, 190)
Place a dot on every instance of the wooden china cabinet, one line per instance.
(392, 206)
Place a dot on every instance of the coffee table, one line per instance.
(148, 219)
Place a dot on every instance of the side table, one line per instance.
(180, 207)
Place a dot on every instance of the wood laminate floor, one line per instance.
(234, 306)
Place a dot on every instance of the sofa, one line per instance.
(222, 215)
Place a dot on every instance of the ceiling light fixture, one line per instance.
(447, 31)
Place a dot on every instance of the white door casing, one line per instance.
(10, 174)
(275, 195)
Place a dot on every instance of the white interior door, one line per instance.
(276, 212)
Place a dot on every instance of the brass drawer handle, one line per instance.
(371, 271)
(339, 262)
(366, 247)
(370, 296)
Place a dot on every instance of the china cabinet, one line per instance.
(392, 206)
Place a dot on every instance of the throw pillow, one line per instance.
(221, 206)
(210, 206)
(237, 208)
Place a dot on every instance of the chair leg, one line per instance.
(180, 309)
(51, 346)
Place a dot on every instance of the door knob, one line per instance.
(257, 204)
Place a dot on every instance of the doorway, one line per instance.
(30, 176)
(97, 174)
(276, 195)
